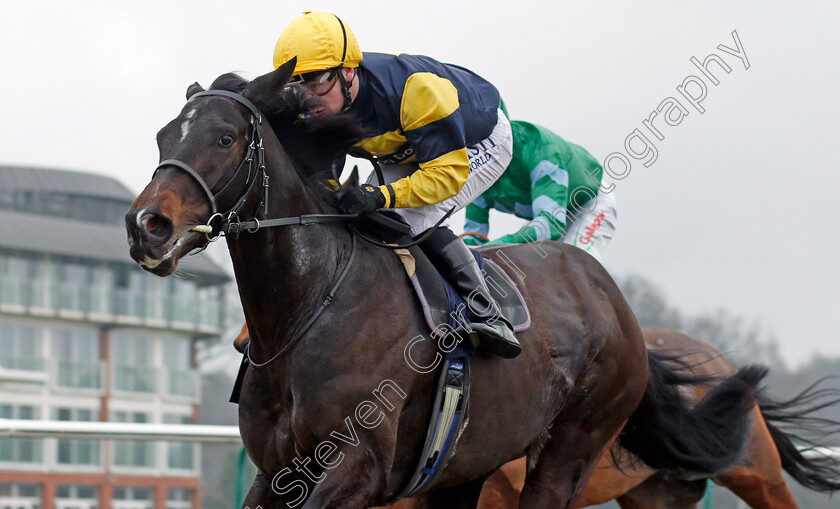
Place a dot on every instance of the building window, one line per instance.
(102, 282)
(73, 280)
(209, 312)
(21, 347)
(132, 497)
(156, 302)
(133, 453)
(179, 455)
(20, 496)
(76, 451)
(69, 496)
(131, 358)
(184, 303)
(19, 450)
(179, 498)
(40, 284)
(7, 199)
(77, 358)
(13, 281)
(54, 204)
(181, 379)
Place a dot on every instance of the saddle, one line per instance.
(441, 303)
(444, 312)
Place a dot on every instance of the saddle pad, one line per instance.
(440, 301)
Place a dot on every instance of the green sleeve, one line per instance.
(549, 203)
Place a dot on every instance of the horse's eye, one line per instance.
(226, 140)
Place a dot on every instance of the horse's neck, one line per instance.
(283, 276)
(283, 273)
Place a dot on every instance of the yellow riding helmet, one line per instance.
(320, 41)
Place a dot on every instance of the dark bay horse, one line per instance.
(757, 479)
(335, 404)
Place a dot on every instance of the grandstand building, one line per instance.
(86, 335)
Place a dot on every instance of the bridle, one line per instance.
(220, 222)
(228, 222)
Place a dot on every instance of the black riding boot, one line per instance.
(453, 258)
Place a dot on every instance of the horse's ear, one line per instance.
(194, 89)
(263, 87)
(353, 179)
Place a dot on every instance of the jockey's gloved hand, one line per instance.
(360, 199)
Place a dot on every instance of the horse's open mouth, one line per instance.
(160, 268)
(164, 264)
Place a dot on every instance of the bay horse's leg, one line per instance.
(659, 493)
(565, 461)
(609, 482)
(463, 496)
(757, 491)
(761, 483)
(502, 489)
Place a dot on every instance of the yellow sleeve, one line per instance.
(433, 127)
(435, 181)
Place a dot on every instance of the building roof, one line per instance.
(103, 242)
(70, 182)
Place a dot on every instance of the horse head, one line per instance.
(223, 156)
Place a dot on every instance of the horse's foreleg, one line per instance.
(563, 465)
(758, 491)
(659, 493)
(261, 494)
(761, 483)
(608, 482)
(355, 483)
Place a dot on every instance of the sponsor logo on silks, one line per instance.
(480, 161)
(473, 151)
(398, 157)
(592, 228)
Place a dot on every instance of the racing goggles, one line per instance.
(318, 82)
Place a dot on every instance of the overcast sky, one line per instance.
(737, 212)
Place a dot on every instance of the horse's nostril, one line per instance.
(152, 223)
(156, 227)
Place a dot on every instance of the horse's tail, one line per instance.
(793, 422)
(668, 432)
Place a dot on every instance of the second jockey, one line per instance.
(437, 130)
(554, 184)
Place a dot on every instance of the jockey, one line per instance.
(439, 135)
(554, 184)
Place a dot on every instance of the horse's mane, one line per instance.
(314, 143)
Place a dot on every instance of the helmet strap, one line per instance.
(345, 88)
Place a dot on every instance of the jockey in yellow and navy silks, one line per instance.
(438, 133)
